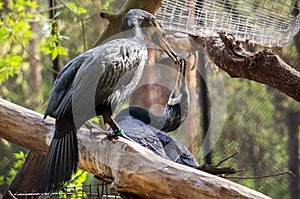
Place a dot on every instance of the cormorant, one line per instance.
(112, 71)
(151, 130)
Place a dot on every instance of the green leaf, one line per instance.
(71, 6)
(75, 9)
(81, 10)
(61, 50)
(58, 50)
(54, 53)
(3, 34)
(57, 14)
(9, 66)
(20, 155)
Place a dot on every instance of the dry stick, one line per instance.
(231, 156)
(264, 176)
(11, 194)
(237, 171)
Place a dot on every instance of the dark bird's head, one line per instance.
(144, 22)
(140, 18)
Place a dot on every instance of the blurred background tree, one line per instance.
(261, 122)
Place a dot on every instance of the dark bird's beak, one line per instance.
(166, 47)
(176, 95)
(180, 76)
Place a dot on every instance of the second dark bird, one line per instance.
(151, 130)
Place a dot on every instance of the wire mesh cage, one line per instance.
(98, 191)
(264, 22)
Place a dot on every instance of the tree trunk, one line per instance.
(293, 148)
(191, 123)
(131, 168)
(35, 76)
(115, 20)
(25, 180)
(205, 106)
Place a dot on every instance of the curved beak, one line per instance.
(180, 75)
(168, 50)
(176, 95)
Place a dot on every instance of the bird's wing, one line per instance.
(108, 78)
(63, 84)
(79, 77)
(141, 134)
(175, 150)
(93, 82)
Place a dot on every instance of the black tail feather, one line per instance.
(60, 162)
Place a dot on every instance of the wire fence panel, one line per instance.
(98, 191)
(264, 22)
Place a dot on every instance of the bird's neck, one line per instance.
(175, 114)
(172, 117)
(138, 32)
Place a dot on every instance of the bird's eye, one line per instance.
(163, 34)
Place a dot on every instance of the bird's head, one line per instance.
(151, 28)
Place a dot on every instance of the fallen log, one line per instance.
(130, 168)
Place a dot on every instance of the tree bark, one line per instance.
(35, 70)
(191, 123)
(115, 20)
(130, 168)
(25, 179)
(263, 67)
(292, 121)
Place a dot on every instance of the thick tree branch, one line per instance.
(115, 20)
(264, 67)
(131, 168)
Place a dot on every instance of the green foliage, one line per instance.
(106, 5)
(20, 158)
(14, 28)
(77, 10)
(51, 42)
(73, 186)
(9, 66)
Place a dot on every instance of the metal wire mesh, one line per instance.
(79, 191)
(264, 22)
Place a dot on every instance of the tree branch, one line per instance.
(263, 67)
(131, 168)
(115, 20)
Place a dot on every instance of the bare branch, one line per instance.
(263, 176)
(227, 158)
(263, 67)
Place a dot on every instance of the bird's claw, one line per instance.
(95, 130)
(112, 137)
(115, 134)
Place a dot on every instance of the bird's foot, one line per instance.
(96, 131)
(116, 135)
